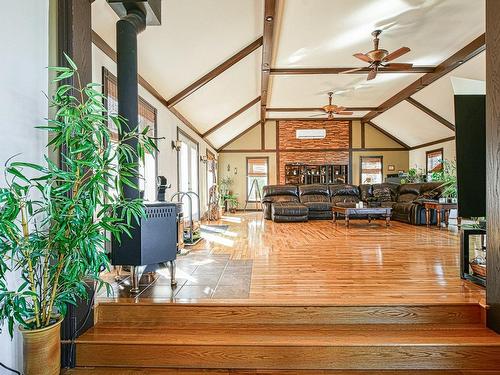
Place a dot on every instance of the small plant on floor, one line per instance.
(225, 190)
(53, 218)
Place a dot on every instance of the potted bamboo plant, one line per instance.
(54, 217)
(449, 179)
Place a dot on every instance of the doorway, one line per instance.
(187, 170)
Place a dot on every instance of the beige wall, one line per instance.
(238, 161)
(397, 158)
(376, 139)
(417, 157)
(251, 140)
(270, 135)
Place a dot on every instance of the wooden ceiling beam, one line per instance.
(215, 72)
(433, 143)
(301, 71)
(232, 116)
(313, 119)
(295, 109)
(111, 53)
(387, 134)
(270, 7)
(465, 54)
(239, 135)
(431, 113)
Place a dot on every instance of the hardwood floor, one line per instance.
(258, 261)
(258, 297)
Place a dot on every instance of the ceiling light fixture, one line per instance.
(269, 18)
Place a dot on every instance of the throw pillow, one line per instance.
(382, 194)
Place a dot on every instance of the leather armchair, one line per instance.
(281, 203)
(316, 198)
(409, 207)
(344, 194)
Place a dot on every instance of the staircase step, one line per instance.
(158, 371)
(166, 313)
(265, 346)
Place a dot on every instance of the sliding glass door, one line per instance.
(187, 169)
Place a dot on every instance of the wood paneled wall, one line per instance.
(493, 161)
(333, 149)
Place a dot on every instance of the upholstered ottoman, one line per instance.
(288, 211)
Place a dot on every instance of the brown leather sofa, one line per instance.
(284, 203)
(316, 198)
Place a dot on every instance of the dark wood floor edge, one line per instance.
(243, 303)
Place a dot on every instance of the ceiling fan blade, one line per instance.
(363, 57)
(397, 53)
(346, 113)
(398, 66)
(372, 74)
(351, 70)
(317, 115)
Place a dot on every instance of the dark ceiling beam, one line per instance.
(267, 53)
(215, 72)
(232, 116)
(432, 143)
(313, 119)
(111, 53)
(239, 136)
(465, 54)
(295, 109)
(294, 71)
(387, 134)
(431, 113)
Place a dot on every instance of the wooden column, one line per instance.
(74, 37)
(493, 162)
(74, 31)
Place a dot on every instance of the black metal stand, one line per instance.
(465, 255)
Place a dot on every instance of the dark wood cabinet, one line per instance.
(305, 174)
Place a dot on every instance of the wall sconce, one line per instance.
(235, 170)
(229, 168)
(204, 159)
(176, 145)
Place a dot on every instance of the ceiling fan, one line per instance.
(331, 109)
(379, 58)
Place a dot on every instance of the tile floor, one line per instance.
(200, 275)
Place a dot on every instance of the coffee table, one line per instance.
(370, 212)
(446, 207)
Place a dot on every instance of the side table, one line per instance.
(438, 207)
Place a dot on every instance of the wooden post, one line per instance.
(493, 162)
(74, 38)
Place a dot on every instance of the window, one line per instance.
(188, 162)
(433, 162)
(147, 117)
(371, 170)
(257, 177)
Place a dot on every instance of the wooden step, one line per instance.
(159, 371)
(157, 314)
(305, 347)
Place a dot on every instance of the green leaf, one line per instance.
(70, 62)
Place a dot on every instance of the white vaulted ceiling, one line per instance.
(197, 36)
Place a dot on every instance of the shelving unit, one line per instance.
(305, 174)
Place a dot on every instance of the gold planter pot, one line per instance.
(42, 350)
